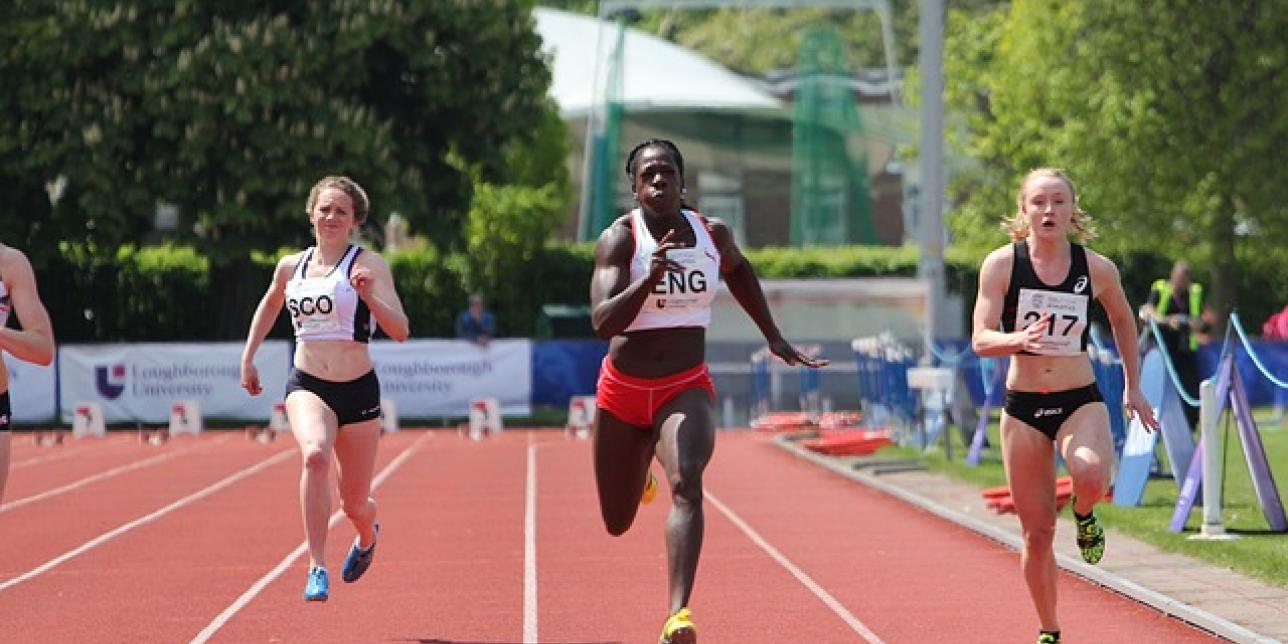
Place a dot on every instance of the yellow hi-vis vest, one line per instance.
(1164, 290)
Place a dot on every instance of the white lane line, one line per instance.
(62, 453)
(530, 549)
(144, 520)
(222, 618)
(800, 575)
(106, 474)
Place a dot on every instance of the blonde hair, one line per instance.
(1018, 225)
(349, 187)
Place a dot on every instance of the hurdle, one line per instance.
(581, 414)
(485, 418)
(388, 416)
(87, 420)
(185, 418)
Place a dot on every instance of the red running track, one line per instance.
(497, 542)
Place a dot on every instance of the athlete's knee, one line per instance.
(1089, 475)
(686, 485)
(1039, 536)
(316, 457)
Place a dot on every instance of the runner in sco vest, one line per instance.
(335, 294)
(1033, 303)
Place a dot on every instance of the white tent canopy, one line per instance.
(656, 74)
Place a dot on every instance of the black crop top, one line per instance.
(1027, 298)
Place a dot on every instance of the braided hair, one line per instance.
(648, 143)
(660, 143)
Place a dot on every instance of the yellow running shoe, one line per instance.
(679, 629)
(650, 489)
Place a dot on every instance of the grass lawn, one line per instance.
(1258, 552)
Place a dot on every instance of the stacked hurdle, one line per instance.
(766, 390)
(886, 401)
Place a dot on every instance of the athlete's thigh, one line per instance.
(686, 431)
(356, 445)
(1084, 437)
(621, 451)
(1029, 457)
(312, 421)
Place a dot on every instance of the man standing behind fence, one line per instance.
(1177, 305)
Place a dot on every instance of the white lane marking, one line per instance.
(800, 575)
(144, 520)
(222, 618)
(106, 474)
(530, 549)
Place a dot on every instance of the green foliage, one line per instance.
(1166, 115)
(116, 294)
(507, 229)
(233, 110)
(431, 287)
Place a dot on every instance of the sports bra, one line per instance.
(1027, 298)
(679, 299)
(328, 307)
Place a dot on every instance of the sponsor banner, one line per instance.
(436, 378)
(139, 382)
(32, 391)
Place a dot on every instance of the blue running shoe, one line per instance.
(358, 560)
(319, 586)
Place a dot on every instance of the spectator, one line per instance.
(1177, 305)
(476, 323)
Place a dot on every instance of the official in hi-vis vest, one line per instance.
(1177, 305)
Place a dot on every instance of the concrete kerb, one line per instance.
(1175, 608)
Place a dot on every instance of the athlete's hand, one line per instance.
(789, 354)
(1136, 406)
(1032, 335)
(250, 378)
(659, 264)
(361, 280)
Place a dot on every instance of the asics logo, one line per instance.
(1048, 411)
(1080, 285)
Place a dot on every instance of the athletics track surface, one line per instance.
(499, 541)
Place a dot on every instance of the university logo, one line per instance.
(110, 380)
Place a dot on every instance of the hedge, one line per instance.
(163, 293)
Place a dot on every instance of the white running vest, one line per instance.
(328, 307)
(680, 299)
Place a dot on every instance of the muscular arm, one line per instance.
(614, 299)
(35, 342)
(994, 277)
(269, 306)
(745, 287)
(741, 278)
(382, 297)
(1109, 292)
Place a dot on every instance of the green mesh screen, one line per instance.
(830, 202)
(796, 175)
(605, 144)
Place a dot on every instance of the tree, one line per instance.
(232, 110)
(1168, 115)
